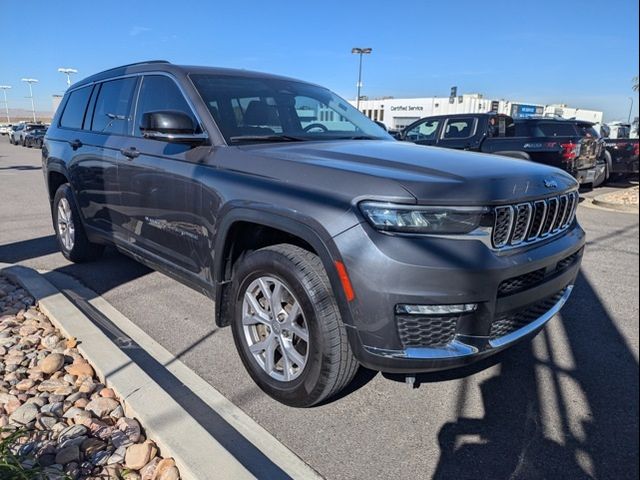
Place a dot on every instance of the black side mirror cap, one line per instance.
(171, 126)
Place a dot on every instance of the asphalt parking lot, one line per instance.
(562, 406)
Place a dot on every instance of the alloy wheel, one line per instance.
(275, 328)
(66, 228)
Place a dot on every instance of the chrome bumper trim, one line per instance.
(467, 346)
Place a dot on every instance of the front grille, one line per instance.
(521, 282)
(426, 331)
(528, 222)
(512, 321)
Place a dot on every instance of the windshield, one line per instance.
(255, 109)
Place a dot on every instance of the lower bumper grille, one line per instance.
(426, 331)
(529, 280)
(512, 321)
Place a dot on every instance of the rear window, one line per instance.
(113, 106)
(587, 130)
(554, 129)
(459, 128)
(73, 114)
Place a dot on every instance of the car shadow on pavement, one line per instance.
(110, 271)
(513, 438)
(20, 167)
(27, 249)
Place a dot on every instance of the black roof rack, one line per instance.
(105, 73)
(137, 63)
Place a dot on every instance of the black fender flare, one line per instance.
(304, 228)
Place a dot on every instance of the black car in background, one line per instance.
(623, 153)
(34, 138)
(550, 141)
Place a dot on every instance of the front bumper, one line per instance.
(387, 270)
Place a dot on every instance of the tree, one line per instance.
(634, 81)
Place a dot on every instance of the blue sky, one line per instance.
(583, 53)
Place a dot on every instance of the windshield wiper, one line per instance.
(267, 138)
(358, 137)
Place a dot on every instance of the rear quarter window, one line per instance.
(75, 108)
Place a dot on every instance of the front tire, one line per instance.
(72, 238)
(287, 326)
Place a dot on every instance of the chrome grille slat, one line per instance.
(539, 215)
(527, 222)
(503, 225)
(552, 213)
(521, 223)
(562, 211)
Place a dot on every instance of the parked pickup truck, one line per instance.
(624, 155)
(554, 142)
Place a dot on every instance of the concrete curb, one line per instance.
(615, 206)
(603, 202)
(198, 454)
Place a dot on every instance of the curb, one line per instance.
(197, 452)
(615, 206)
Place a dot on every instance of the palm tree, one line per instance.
(634, 81)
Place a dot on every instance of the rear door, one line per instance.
(94, 170)
(161, 197)
(460, 133)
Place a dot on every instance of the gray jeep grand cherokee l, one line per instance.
(324, 242)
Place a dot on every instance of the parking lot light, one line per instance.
(4, 89)
(31, 81)
(360, 51)
(68, 72)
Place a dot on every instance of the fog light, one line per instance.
(436, 309)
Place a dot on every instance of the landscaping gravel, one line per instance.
(74, 425)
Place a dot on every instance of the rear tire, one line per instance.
(72, 238)
(292, 278)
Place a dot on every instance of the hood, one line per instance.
(432, 175)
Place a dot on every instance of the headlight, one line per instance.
(418, 219)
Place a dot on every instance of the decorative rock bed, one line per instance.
(61, 420)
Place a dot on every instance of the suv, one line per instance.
(324, 242)
(20, 134)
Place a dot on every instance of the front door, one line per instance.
(160, 194)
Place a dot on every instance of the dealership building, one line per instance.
(397, 113)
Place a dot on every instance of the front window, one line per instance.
(426, 130)
(254, 109)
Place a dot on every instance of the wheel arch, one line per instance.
(230, 245)
(56, 176)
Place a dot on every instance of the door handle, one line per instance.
(130, 153)
(75, 144)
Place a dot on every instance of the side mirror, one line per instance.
(399, 135)
(171, 126)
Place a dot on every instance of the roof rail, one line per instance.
(136, 63)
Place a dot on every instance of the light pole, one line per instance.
(4, 89)
(360, 51)
(630, 109)
(31, 81)
(68, 72)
